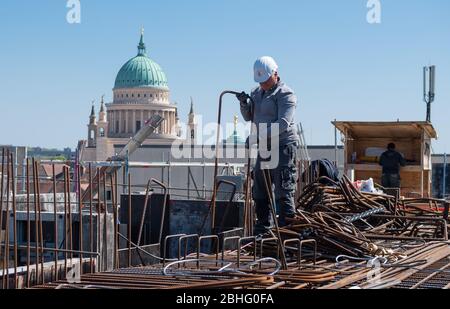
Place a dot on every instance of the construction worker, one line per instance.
(274, 103)
(391, 161)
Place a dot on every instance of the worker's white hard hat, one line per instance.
(264, 68)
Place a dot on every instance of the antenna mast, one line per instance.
(429, 80)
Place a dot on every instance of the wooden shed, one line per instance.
(364, 142)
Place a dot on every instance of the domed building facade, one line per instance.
(140, 91)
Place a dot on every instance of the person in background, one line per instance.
(391, 161)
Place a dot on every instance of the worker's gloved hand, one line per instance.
(243, 98)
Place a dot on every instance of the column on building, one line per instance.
(120, 121)
(166, 126)
(172, 123)
(112, 122)
(129, 121)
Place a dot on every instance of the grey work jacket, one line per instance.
(276, 105)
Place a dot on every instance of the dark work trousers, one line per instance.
(390, 181)
(284, 181)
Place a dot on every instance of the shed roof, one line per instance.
(394, 129)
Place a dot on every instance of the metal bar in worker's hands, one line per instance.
(212, 207)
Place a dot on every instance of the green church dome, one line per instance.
(141, 71)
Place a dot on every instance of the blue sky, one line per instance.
(340, 66)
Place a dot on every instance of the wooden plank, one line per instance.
(377, 168)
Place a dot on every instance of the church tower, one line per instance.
(104, 149)
(192, 126)
(102, 125)
(92, 128)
